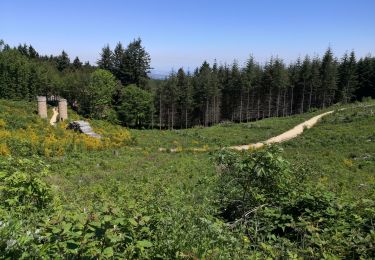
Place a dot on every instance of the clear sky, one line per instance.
(184, 33)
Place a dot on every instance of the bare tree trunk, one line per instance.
(160, 111)
(168, 119)
(215, 109)
(269, 102)
(310, 96)
(247, 105)
(172, 116)
(291, 103)
(284, 103)
(186, 114)
(278, 102)
(206, 117)
(258, 115)
(303, 96)
(241, 104)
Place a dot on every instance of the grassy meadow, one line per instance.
(124, 198)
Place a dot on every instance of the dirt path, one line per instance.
(292, 133)
(53, 119)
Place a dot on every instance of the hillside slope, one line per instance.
(132, 201)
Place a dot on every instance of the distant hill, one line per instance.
(156, 75)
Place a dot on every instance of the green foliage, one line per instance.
(250, 179)
(277, 210)
(135, 106)
(21, 186)
(135, 202)
(98, 95)
(23, 133)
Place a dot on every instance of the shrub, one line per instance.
(276, 210)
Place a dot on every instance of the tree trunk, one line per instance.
(303, 97)
(172, 116)
(291, 103)
(269, 102)
(284, 103)
(206, 117)
(278, 103)
(160, 112)
(241, 104)
(310, 96)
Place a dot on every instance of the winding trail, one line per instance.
(290, 134)
(53, 119)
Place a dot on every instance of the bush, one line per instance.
(283, 216)
(34, 225)
(136, 106)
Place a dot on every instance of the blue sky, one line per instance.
(184, 33)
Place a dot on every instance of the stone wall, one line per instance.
(42, 106)
(63, 109)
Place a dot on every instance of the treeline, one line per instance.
(24, 73)
(119, 88)
(216, 93)
(91, 91)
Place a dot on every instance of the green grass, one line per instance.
(221, 135)
(178, 189)
(341, 151)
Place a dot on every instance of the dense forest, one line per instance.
(120, 90)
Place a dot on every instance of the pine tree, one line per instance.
(135, 64)
(32, 53)
(328, 78)
(249, 76)
(347, 72)
(315, 82)
(106, 59)
(305, 81)
(77, 64)
(366, 78)
(118, 59)
(62, 61)
(184, 97)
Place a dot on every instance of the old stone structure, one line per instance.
(63, 109)
(42, 106)
(83, 127)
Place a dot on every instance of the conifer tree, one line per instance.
(62, 61)
(106, 59)
(77, 64)
(328, 78)
(135, 64)
(347, 72)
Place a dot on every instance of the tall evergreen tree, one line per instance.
(135, 64)
(118, 60)
(305, 82)
(77, 64)
(347, 72)
(62, 61)
(328, 78)
(315, 82)
(366, 78)
(106, 59)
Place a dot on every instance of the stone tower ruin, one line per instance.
(63, 109)
(42, 106)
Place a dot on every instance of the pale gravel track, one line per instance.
(53, 119)
(290, 134)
